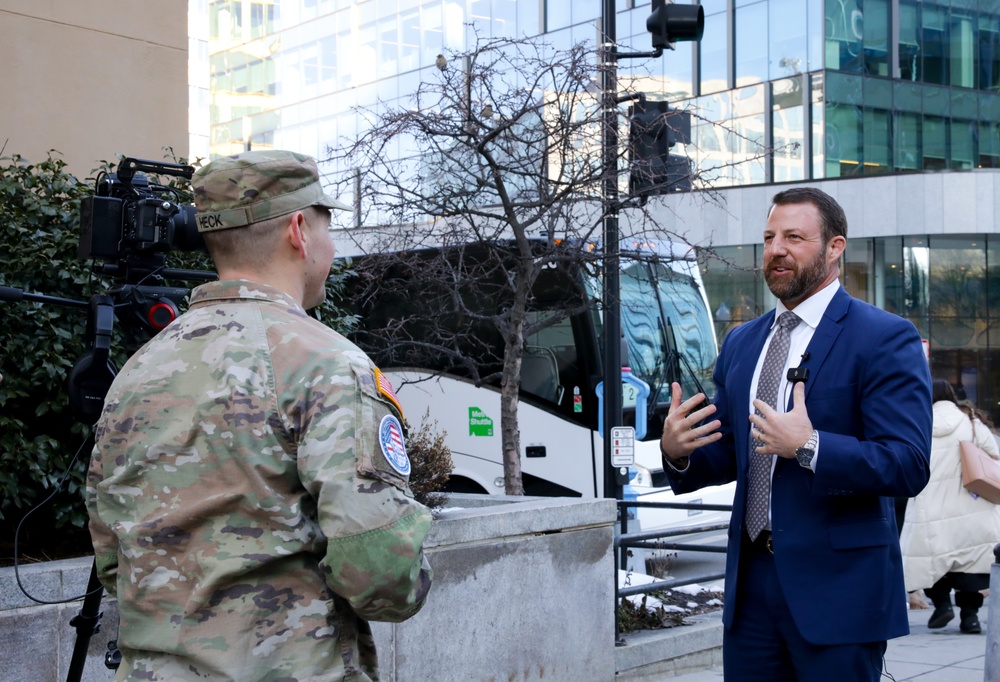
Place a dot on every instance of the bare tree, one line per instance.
(497, 159)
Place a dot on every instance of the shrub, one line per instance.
(431, 462)
(41, 341)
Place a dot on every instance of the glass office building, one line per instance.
(785, 91)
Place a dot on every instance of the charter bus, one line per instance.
(453, 378)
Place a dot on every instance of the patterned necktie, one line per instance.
(767, 391)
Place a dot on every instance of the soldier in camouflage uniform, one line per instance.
(248, 492)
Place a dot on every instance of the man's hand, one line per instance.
(782, 434)
(679, 438)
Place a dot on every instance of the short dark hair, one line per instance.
(831, 215)
(942, 390)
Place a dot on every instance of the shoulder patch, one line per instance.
(385, 389)
(390, 438)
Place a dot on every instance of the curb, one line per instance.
(650, 654)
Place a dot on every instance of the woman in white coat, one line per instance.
(949, 533)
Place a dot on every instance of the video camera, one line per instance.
(128, 216)
(130, 223)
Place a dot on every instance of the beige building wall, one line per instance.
(93, 79)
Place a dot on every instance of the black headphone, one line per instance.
(91, 376)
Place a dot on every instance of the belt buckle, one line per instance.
(769, 543)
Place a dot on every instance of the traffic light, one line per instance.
(670, 23)
(653, 129)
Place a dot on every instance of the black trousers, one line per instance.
(967, 588)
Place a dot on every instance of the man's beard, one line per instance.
(801, 282)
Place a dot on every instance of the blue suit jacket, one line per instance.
(836, 547)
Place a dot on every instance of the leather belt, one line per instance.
(764, 541)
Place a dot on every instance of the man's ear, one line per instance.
(296, 234)
(836, 247)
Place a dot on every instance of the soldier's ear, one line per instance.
(296, 233)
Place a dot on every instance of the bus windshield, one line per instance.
(667, 329)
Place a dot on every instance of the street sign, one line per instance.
(622, 446)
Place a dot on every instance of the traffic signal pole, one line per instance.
(667, 23)
(612, 256)
(683, 23)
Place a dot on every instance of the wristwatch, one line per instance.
(806, 453)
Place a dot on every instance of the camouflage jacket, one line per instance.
(248, 498)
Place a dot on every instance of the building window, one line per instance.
(787, 129)
(988, 54)
(844, 125)
(876, 37)
(844, 34)
(961, 49)
(734, 286)
(909, 45)
(857, 272)
(751, 44)
(714, 47)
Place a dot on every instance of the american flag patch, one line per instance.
(390, 438)
(385, 388)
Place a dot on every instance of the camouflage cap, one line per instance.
(234, 191)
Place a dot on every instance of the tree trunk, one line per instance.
(510, 388)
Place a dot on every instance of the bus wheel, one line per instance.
(457, 484)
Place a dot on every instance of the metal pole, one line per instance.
(612, 280)
(612, 271)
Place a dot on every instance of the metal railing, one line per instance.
(645, 540)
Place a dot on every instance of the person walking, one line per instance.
(248, 489)
(949, 533)
(822, 414)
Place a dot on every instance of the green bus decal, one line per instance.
(479, 423)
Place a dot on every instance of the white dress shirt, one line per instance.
(810, 311)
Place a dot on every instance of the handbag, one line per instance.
(980, 472)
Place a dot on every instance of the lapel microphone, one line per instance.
(797, 374)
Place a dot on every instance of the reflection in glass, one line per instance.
(818, 111)
(876, 37)
(961, 49)
(843, 139)
(933, 44)
(787, 126)
(733, 284)
(916, 272)
(748, 149)
(957, 277)
(935, 144)
(714, 54)
(877, 154)
(988, 54)
(963, 134)
(751, 44)
(786, 39)
(857, 273)
(844, 23)
(906, 142)
(909, 47)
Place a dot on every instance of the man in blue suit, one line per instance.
(819, 434)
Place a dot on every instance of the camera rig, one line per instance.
(130, 224)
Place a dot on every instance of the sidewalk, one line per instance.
(944, 655)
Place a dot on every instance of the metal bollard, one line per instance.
(991, 669)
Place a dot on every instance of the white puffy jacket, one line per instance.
(946, 528)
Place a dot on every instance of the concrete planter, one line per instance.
(37, 640)
(523, 590)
